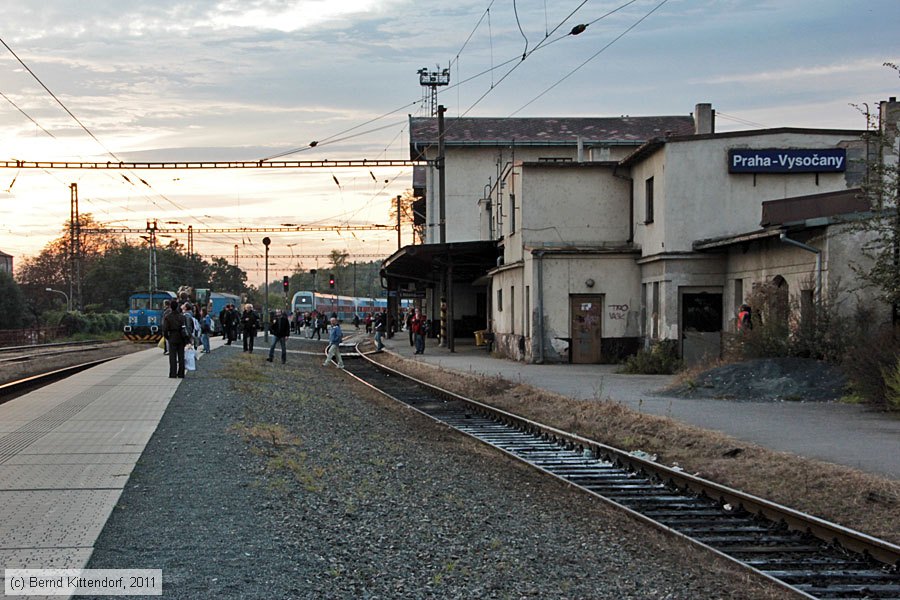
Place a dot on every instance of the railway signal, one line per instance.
(331, 281)
(287, 283)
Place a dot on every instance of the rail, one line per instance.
(803, 553)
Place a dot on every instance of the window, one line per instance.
(654, 315)
(643, 310)
(512, 309)
(648, 200)
(500, 300)
(738, 294)
(527, 311)
(512, 214)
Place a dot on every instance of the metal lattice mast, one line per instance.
(433, 80)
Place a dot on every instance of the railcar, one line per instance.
(145, 315)
(215, 304)
(344, 306)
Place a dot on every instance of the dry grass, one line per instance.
(854, 499)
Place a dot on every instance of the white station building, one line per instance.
(584, 240)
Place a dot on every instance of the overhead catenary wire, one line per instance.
(591, 58)
(58, 101)
(88, 131)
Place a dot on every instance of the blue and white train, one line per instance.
(344, 306)
(145, 314)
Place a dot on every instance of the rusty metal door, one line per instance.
(586, 328)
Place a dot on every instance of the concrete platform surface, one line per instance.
(66, 452)
(843, 434)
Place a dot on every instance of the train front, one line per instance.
(145, 315)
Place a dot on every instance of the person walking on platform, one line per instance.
(205, 329)
(176, 338)
(280, 329)
(249, 327)
(379, 332)
(334, 345)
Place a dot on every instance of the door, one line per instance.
(586, 327)
(701, 325)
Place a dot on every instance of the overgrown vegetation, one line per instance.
(660, 359)
(854, 339)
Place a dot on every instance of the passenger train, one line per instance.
(344, 306)
(146, 310)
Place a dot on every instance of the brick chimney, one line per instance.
(704, 119)
(889, 121)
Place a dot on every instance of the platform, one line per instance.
(66, 452)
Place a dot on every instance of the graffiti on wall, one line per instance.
(618, 312)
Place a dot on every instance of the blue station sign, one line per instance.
(827, 160)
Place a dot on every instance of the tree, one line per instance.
(881, 245)
(409, 216)
(225, 277)
(112, 269)
(12, 303)
(339, 259)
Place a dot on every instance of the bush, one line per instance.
(892, 386)
(871, 367)
(660, 359)
(97, 323)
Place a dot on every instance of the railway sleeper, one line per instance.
(851, 591)
(844, 576)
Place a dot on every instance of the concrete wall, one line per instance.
(697, 198)
(615, 277)
(672, 274)
(470, 169)
(573, 206)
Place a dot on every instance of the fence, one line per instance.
(26, 337)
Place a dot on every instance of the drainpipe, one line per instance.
(818, 294)
(539, 255)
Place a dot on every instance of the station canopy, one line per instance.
(428, 263)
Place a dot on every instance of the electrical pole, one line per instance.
(266, 241)
(399, 243)
(442, 178)
(75, 247)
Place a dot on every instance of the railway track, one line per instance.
(11, 354)
(811, 557)
(14, 389)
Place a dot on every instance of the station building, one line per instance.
(592, 246)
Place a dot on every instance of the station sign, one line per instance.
(412, 294)
(793, 160)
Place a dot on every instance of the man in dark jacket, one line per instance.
(280, 329)
(249, 327)
(173, 331)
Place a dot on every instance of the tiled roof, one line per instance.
(543, 131)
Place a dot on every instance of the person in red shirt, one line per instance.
(418, 327)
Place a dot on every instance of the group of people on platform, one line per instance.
(186, 327)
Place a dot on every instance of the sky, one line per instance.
(248, 79)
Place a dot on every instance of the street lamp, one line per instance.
(266, 242)
(65, 295)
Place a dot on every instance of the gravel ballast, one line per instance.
(291, 481)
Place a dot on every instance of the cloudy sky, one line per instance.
(247, 79)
